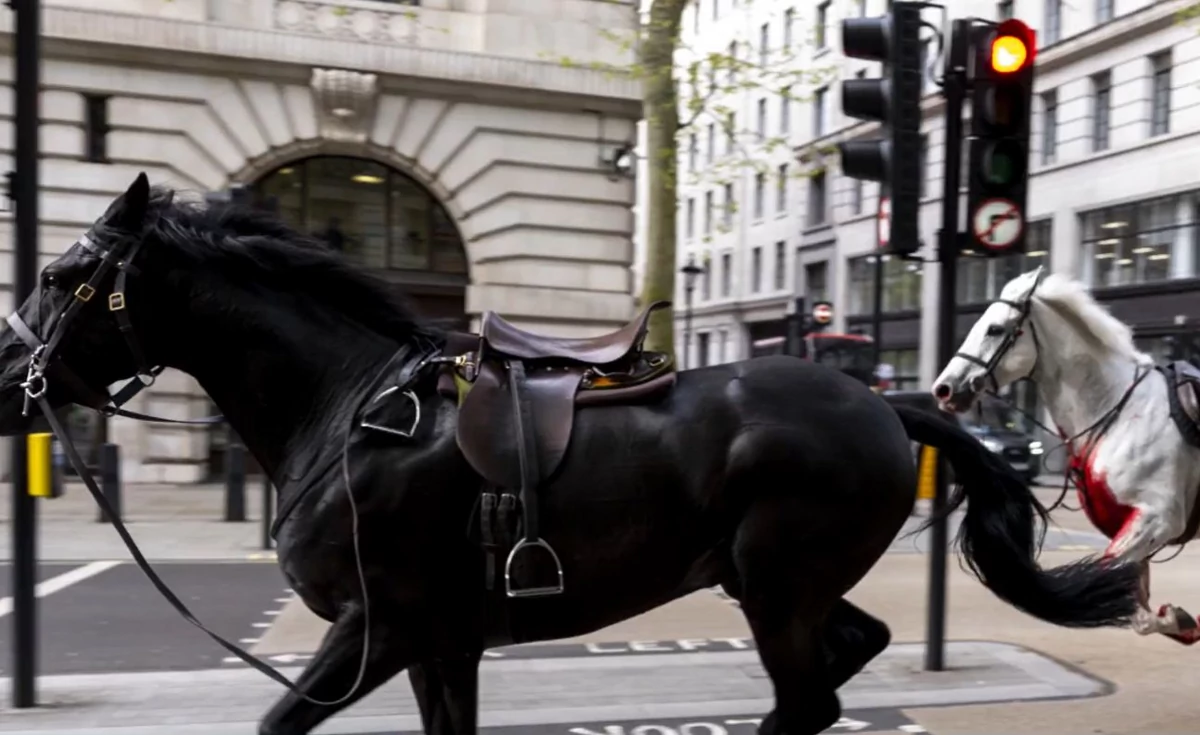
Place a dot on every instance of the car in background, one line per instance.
(1005, 431)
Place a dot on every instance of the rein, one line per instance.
(42, 363)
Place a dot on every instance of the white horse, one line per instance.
(1136, 474)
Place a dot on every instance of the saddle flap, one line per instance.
(487, 429)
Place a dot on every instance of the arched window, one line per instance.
(378, 216)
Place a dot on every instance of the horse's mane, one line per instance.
(256, 247)
(1072, 299)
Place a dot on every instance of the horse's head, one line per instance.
(1000, 348)
(70, 339)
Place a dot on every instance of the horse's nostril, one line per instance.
(942, 391)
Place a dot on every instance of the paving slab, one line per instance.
(541, 691)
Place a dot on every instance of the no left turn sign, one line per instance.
(997, 224)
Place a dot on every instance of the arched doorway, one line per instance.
(380, 218)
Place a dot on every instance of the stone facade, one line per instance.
(469, 97)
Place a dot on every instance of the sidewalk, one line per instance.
(168, 523)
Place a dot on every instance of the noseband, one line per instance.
(42, 362)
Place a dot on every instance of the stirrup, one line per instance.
(531, 591)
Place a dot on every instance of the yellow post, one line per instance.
(41, 470)
(927, 479)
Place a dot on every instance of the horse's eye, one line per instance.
(995, 330)
(50, 280)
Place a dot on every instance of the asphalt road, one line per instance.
(117, 621)
(861, 721)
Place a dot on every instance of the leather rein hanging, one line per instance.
(42, 364)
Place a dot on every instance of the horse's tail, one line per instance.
(999, 537)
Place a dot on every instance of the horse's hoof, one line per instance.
(1179, 625)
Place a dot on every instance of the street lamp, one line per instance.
(690, 271)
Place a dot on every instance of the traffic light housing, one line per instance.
(894, 160)
(1001, 78)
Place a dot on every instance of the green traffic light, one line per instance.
(1001, 164)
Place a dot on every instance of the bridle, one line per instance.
(43, 362)
(1012, 332)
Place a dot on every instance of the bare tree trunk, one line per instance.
(660, 106)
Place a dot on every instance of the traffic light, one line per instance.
(998, 164)
(895, 101)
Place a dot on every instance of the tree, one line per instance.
(712, 79)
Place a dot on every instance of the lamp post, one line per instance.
(690, 271)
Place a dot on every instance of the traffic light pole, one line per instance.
(25, 251)
(955, 92)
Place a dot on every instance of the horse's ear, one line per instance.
(129, 210)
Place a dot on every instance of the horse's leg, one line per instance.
(334, 669)
(1143, 534)
(786, 597)
(447, 692)
(852, 638)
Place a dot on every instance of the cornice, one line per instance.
(180, 44)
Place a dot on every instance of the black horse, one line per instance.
(781, 481)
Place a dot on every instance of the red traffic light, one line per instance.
(1012, 48)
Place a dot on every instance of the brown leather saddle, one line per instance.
(518, 394)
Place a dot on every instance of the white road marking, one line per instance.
(272, 613)
(61, 582)
(247, 640)
(261, 625)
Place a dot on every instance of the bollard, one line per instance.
(268, 511)
(110, 480)
(235, 483)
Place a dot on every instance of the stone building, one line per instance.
(443, 143)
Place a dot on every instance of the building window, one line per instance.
(726, 274)
(732, 60)
(1104, 11)
(730, 131)
(816, 282)
(901, 285)
(693, 148)
(1004, 9)
(819, 111)
(856, 196)
(1053, 24)
(690, 219)
(764, 45)
(722, 346)
(1049, 126)
(702, 349)
(860, 8)
(1160, 95)
(706, 278)
(727, 215)
(781, 181)
(981, 279)
(756, 269)
(816, 199)
(95, 128)
(760, 186)
(711, 146)
(762, 118)
(1101, 110)
(780, 265)
(789, 20)
(1145, 242)
(708, 212)
(821, 22)
(785, 110)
